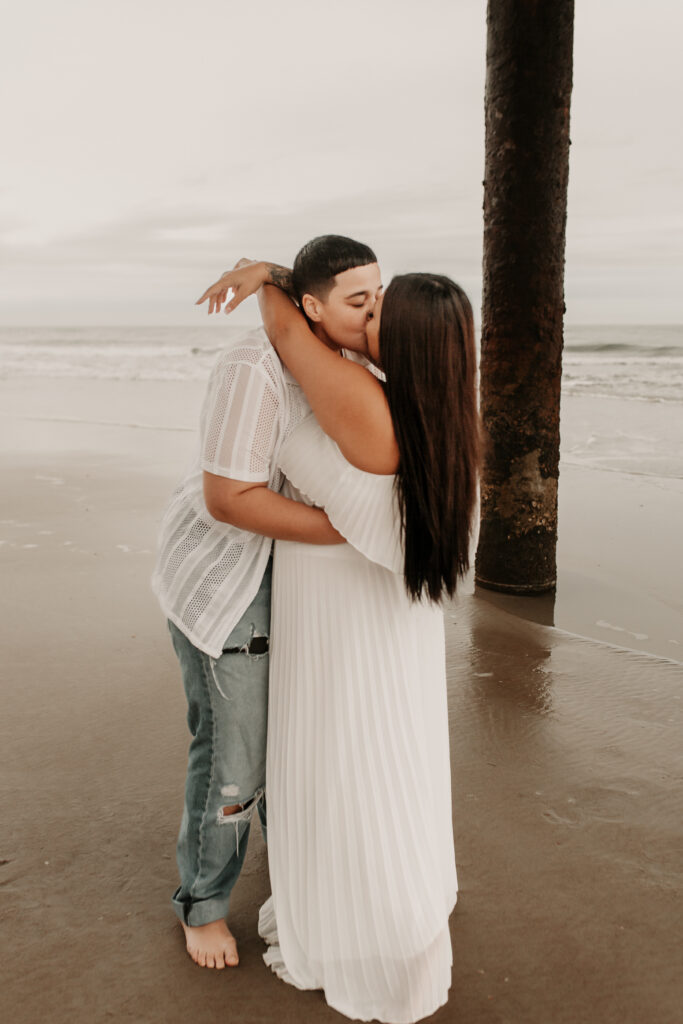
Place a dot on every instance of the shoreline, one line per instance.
(618, 530)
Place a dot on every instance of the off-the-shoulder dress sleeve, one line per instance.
(362, 506)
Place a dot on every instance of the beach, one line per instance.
(565, 720)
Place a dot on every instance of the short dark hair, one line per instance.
(319, 261)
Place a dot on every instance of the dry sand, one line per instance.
(566, 758)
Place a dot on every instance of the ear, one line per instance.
(311, 307)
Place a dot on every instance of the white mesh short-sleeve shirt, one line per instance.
(207, 573)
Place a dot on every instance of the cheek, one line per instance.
(358, 319)
(348, 320)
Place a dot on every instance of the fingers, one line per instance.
(218, 287)
(233, 282)
(210, 293)
(216, 294)
(234, 301)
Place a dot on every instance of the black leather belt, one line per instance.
(257, 645)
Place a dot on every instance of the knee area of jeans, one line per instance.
(233, 811)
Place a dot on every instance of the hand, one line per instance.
(243, 280)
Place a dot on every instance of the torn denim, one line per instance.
(227, 701)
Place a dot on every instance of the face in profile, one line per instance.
(346, 312)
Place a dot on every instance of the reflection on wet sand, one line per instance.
(567, 812)
(532, 607)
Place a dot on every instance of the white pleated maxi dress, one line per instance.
(360, 837)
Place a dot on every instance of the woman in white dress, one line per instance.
(360, 839)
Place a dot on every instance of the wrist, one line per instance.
(281, 277)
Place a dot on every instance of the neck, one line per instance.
(321, 333)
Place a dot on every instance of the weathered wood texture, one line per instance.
(528, 91)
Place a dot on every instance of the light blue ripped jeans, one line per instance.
(227, 700)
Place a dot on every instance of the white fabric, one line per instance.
(360, 839)
(207, 573)
(352, 498)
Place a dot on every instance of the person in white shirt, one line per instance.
(213, 570)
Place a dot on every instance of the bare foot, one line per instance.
(211, 945)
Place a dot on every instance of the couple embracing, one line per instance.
(346, 429)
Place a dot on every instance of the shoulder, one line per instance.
(250, 349)
(250, 346)
(361, 422)
(361, 360)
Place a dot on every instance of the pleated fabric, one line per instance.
(362, 506)
(360, 839)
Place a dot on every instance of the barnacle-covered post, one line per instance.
(528, 91)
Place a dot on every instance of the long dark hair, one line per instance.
(426, 348)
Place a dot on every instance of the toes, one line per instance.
(220, 962)
(201, 958)
(231, 957)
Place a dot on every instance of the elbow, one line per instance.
(220, 506)
(229, 501)
(217, 509)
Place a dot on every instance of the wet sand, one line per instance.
(566, 763)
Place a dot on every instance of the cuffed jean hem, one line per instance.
(197, 912)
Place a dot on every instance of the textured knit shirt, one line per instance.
(207, 572)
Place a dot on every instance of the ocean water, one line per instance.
(113, 353)
(622, 386)
(635, 362)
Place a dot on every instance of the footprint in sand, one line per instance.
(57, 481)
(557, 819)
(606, 804)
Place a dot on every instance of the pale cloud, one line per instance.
(149, 144)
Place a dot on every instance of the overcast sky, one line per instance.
(147, 144)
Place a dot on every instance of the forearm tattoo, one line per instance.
(281, 277)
